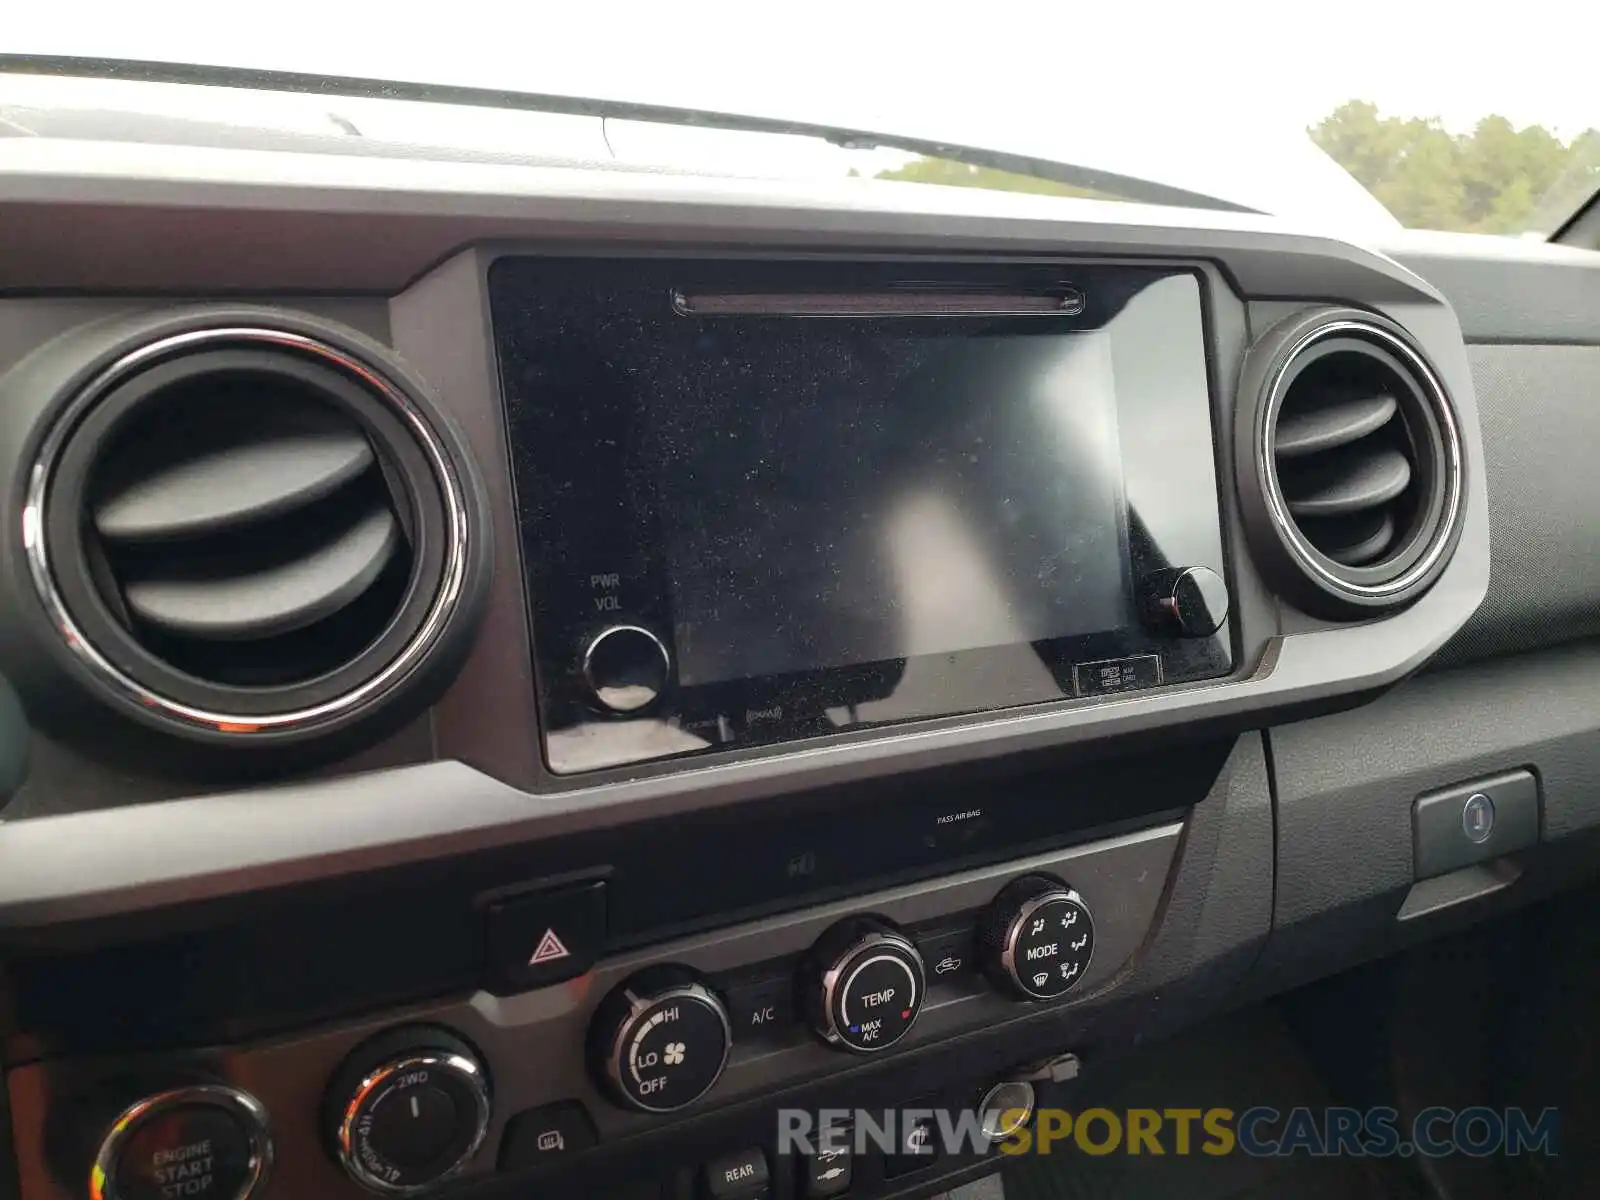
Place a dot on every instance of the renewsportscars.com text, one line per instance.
(1260, 1132)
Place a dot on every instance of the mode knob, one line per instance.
(203, 1140)
(659, 1041)
(864, 985)
(1038, 938)
(408, 1110)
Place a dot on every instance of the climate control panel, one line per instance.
(505, 1082)
(660, 1040)
(408, 1109)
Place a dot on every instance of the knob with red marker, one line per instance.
(864, 985)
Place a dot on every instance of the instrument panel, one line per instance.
(829, 596)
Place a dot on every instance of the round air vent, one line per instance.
(1351, 465)
(253, 533)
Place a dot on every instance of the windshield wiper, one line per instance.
(1111, 183)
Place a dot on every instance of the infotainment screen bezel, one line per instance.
(591, 525)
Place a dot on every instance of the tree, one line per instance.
(1495, 179)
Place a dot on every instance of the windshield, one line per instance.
(1389, 115)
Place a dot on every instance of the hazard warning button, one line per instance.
(545, 937)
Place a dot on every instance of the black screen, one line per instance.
(948, 495)
(849, 492)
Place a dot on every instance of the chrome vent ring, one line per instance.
(1351, 464)
(123, 566)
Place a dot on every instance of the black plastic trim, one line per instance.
(1345, 786)
(1504, 290)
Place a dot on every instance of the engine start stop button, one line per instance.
(183, 1149)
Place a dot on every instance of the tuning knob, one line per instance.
(1186, 601)
(659, 1041)
(1038, 938)
(408, 1110)
(864, 985)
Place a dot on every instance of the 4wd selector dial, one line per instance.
(1038, 938)
(659, 1041)
(408, 1110)
(864, 985)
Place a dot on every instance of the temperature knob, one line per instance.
(865, 985)
(408, 1111)
(1038, 938)
(660, 1041)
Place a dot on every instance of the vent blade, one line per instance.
(1335, 423)
(231, 486)
(276, 599)
(1353, 541)
(1338, 485)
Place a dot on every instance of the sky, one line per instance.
(1262, 62)
(1214, 97)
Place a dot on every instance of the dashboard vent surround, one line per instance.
(1356, 457)
(250, 531)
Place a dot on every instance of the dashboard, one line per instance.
(524, 677)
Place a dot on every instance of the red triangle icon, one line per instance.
(549, 949)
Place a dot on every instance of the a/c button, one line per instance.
(762, 1009)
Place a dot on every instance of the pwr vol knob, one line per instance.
(659, 1041)
(864, 985)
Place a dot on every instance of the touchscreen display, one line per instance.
(796, 497)
(848, 492)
